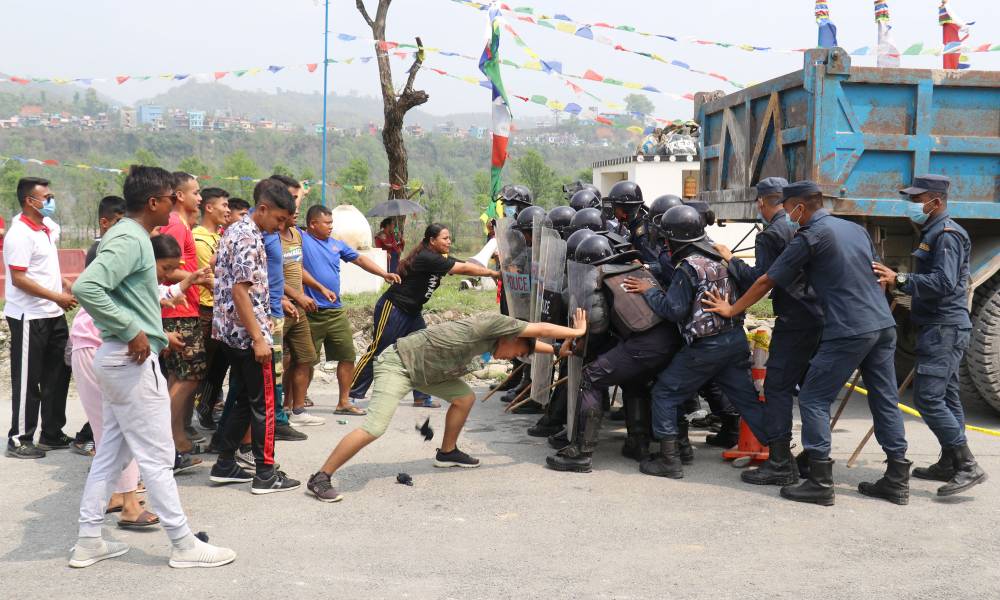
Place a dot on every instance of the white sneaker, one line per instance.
(84, 557)
(201, 555)
(304, 419)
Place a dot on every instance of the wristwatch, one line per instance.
(901, 279)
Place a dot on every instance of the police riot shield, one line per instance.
(537, 226)
(548, 306)
(582, 283)
(515, 268)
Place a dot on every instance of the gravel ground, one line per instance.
(515, 529)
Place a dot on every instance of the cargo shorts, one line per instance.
(190, 363)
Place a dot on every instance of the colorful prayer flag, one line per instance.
(489, 64)
(953, 31)
(888, 53)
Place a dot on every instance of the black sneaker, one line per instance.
(455, 458)
(27, 450)
(278, 482)
(229, 472)
(287, 433)
(60, 443)
(183, 461)
(83, 448)
(319, 485)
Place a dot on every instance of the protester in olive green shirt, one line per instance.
(435, 359)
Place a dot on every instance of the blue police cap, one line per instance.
(800, 189)
(927, 183)
(771, 185)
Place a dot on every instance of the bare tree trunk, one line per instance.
(395, 106)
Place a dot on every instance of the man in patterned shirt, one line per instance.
(242, 324)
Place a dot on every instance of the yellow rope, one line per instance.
(913, 412)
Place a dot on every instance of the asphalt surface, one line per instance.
(513, 529)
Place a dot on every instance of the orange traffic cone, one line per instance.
(748, 445)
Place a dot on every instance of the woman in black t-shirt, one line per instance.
(398, 311)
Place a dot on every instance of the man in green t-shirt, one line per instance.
(434, 360)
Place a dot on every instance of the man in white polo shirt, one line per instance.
(37, 299)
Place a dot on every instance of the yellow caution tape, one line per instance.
(915, 413)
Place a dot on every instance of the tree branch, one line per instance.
(364, 13)
(418, 60)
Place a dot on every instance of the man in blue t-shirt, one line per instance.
(321, 256)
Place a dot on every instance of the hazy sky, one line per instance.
(105, 38)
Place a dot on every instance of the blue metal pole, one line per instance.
(326, 68)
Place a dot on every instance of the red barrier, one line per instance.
(71, 263)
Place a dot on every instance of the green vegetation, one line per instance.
(447, 297)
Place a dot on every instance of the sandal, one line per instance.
(427, 404)
(146, 519)
(352, 411)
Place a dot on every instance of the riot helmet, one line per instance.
(585, 198)
(625, 195)
(683, 225)
(588, 218)
(526, 218)
(574, 239)
(663, 204)
(517, 196)
(592, 250)
(561, 217)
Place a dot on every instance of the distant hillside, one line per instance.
(296, 107)
(51, 97)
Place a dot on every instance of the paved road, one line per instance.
(514, 529)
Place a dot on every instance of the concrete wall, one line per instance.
(355, 280)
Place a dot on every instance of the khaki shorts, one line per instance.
(298, 341)
(332, 331)
(392, 382)
(191, 363)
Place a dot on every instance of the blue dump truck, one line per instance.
(862, 133)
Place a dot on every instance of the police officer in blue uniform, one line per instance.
(939, 286)
(715, 347)
(859, 333)
(796, 335)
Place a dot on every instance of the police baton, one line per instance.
(518, 401)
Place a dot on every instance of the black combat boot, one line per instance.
(942, 470)
(637, 424)
(514, 393)
(779, 469)
(802, 463)
(729, 435)
(546, 426)
(576, 458)
(818, 486)
(666, 462)
(684, 447)
(529, 408)
(967, 472)
(894, 485)
(512, 381)
(560, 439)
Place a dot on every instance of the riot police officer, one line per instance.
(635, 359)
(715, 347)
(939, 287)
(859, 332)
(516, 198)
(629, 209)
(797, 331)
(571, 190)
(587, 218)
